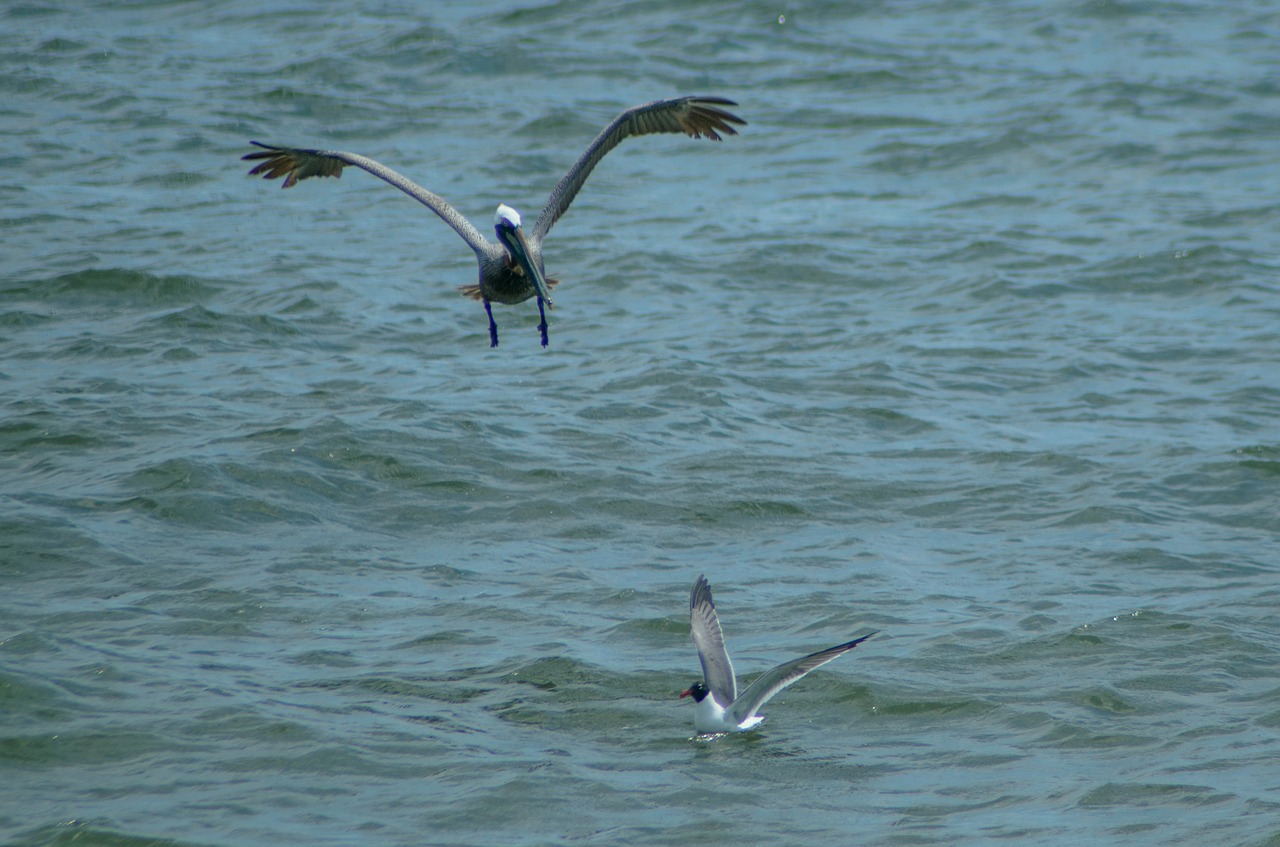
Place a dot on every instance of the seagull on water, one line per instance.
(720, 707)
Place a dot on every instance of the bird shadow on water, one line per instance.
(755, 744)
(756, 759)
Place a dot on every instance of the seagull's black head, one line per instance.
(698, 691)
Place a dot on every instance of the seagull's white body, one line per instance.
(720, 708)
(710, 717)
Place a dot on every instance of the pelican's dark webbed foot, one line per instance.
(542, 326)
(493, 327)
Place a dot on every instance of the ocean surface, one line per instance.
(971, 336)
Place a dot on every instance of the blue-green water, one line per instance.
(971, 337)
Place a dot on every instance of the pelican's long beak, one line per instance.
(513, 238)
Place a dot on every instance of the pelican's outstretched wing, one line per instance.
(717, 670)
(695, 116)
(771, 682)
(295, 163)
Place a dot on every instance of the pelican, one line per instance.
(511, 271)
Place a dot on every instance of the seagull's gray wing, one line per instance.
(694, 116)
(295, 163)
(771, 682)
(717, 670)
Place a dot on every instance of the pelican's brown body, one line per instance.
(511, 271)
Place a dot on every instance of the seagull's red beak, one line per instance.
(686, 693)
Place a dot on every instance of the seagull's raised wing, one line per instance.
(771, 682)
(717, 670)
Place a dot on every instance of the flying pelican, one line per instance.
(511, 271)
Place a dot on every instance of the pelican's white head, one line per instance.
(507, 215)
(506, 223)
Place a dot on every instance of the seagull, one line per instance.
(720, 707)
(511, 271)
